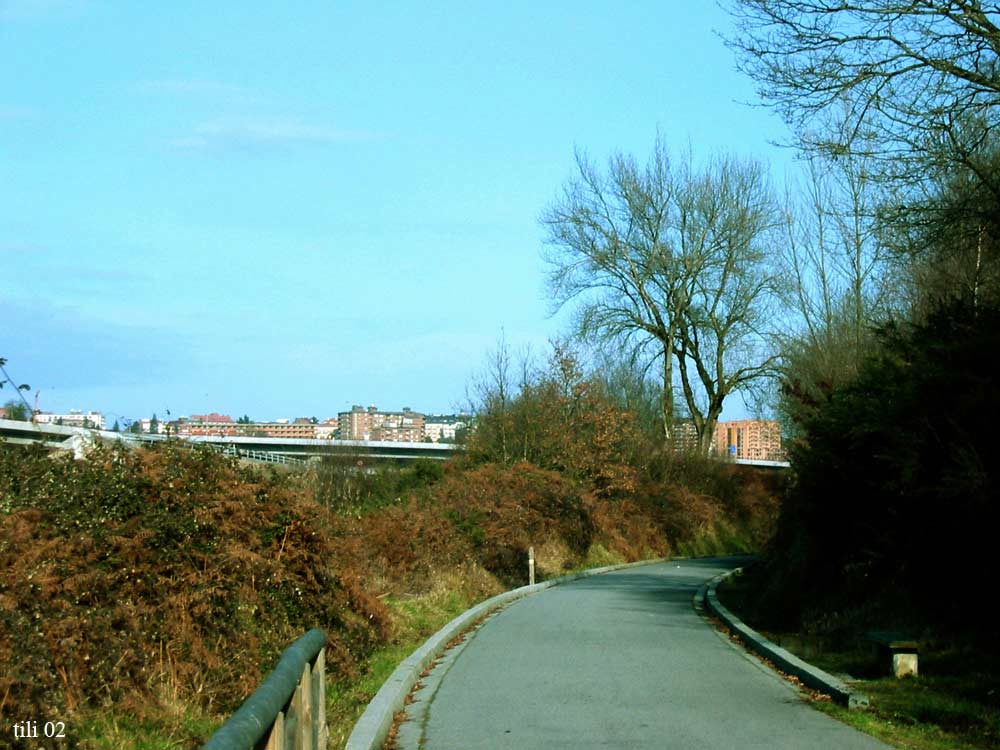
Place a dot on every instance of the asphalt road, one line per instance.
(619, 660)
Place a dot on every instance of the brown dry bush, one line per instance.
(501, 511)
(690, 515)
(630, 528)
(128, 570)
(404, 543)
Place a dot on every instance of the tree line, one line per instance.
(888, 379)
(859, 303)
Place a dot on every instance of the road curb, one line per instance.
(810, 676)
(371, 729)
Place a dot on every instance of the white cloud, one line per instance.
(263, 134)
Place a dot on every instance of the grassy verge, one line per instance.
(953, 705)
(417, 617)
(923, 714)
(119, 731)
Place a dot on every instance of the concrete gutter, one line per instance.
(372, 728)
(787, 662)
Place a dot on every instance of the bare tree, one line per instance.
(627, 383)
(839, 277)
(920, 78)
(951, 239)
(491, 399)
(726, 217)
(612, 251)
(669, 263)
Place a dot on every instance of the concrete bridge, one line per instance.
(267, 450)
(260, 449)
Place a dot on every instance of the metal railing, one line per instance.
(288, 710)
(267, 457)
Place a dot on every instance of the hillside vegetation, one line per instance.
(165, 581)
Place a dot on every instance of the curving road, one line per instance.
(619, 660)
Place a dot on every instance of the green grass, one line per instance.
(721, 539)
(417, 618)
(598, 556)
(954, 703)
(922, 714)
(115, 730)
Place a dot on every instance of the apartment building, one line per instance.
(214, 424)
(405, 426)
(684, 436)
(755, 439)
(356, 424)
(328, 429)
(301, 428)
(443, 427)
(73, 418)
(371, 424)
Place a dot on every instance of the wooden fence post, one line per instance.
(304, 740)
(277, 739)
(319, 681)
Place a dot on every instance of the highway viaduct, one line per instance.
(259, 449)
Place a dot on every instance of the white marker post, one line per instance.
(531, 566)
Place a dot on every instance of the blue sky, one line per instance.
(283, 209)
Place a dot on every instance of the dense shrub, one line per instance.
(896, 496)
(134, 568)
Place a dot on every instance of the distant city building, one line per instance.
(365, 424)
(74, 418)
(684, 436)
(356, 424)
(405, 426)
(214, 425)
(328, 429)
(302, 428)
(371, 424)
(147, 425)
(440, 428)
(212, 418)
(755, 439)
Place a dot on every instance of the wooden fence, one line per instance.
(288, 710)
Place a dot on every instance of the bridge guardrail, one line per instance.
(288, 710)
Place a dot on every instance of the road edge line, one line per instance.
(811, 676)
(371, 729)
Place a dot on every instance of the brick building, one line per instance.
(302, 428)
(215, 424)
(371, 424)
(755, 439)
